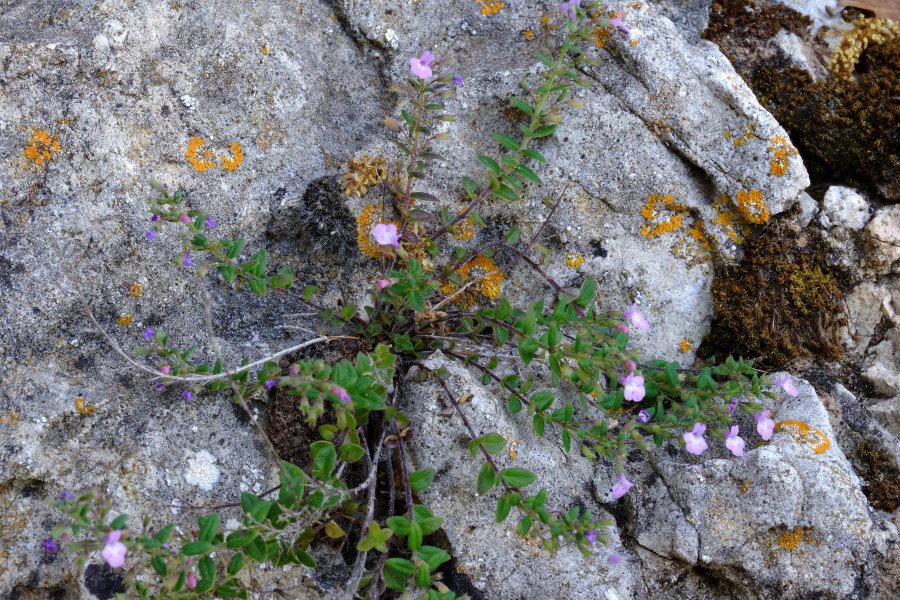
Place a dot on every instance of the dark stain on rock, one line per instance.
(103, 582)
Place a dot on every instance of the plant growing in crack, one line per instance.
(564, 364)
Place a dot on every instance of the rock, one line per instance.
(787, 520)
(881, 239)
(883, 365)
(844, 207)
(867, 304)
(498, 562)
(799, 54)
(809, 208)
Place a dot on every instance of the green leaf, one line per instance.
(588, 291)
(235, 248)
(489, 162)
(414, 539)
(424, 196)
(672, 373)
(545, 131)
(527, 174)
(506, 141)
(527, 349)
(209, 526)
(351, 452)
(401, 566)
(421, 479)
(470, 186)
(542, 400)
(534, 155)
(257, 550)
(235, 564)
(433, 557)
(487, 478)
(324, 457)
(493, 443)
(512, 236)
(119, 522)
(504, 505)
(517, 477)
(258, 287)
(163, 535)
(506, 193)
(195, 548)
(399, 525)
(256, 508)
(241, 538)
(159, 565)
(306, 559)
(522, 105)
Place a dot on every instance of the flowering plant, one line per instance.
(599, 396)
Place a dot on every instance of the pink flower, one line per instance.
(341, 393)
(382, 283)
(621, 487)
(114, 551)
(386, 234)
(293, 371)
(190, 582)
(765, 426)
(630, 366)
(165, 369)
(619, 23)
(622, 327)
(184, 219)
(637, 318)
(420, 66)
(634, 386)
(787, 384)
(693, 439)
(734, 442)
(569, 9)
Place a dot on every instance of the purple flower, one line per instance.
(420, 66)
(148, 334)
(614, 560)
(341, 393)
(643, 417)
(637, 318)
(114, 551)
(187, 395)
(293, 371)
(591, 536)
(787, 384)
(693, 439)
(190, 581)
(270, 383)
(457, 80)
(66, 496)
(50, 545)
(158, 388)
(630, 366)
(386, 234)
(765, 426)
(208, 221)
(734, 442)
(620, 25)
(733, 404)
(187, 259)
(150, 234)
(621, 487)
(569, 9)
(634, 387)
(154, 218)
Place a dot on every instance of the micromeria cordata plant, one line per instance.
(573, 376)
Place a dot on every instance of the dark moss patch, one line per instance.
(882, 480)
(780, 303)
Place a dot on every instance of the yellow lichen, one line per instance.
(652, 211)
(528, 35)
(782, 151)
(790, 539)
(574, 260)
(745, 486)
(601, 36)
(633, 43)
(804, 434)
(264, 49)
(731, 222)
(11, 418)
(685, 346)
(230, 163)
(136, 289)
(487, 277)
(198, 161)
(751, 206)
(362, 173)
(740, 138)
(364, 223)
(490, 8)
(42, 147)
(125, 320)
(865, 32)
(464, 230)
(84, 409)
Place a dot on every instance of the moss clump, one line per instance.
(780, 303)
(882, 481)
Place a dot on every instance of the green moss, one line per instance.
(780, 303)
(882, 481)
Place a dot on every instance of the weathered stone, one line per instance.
(844, 207)
(882, 241)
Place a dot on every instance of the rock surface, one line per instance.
(844, 207)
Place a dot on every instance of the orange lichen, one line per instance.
(652, 211)
(490, 8)
(685, 346)
(125, 320)
(633, 43)
(464, 230)
(199, 161)
(790, 539)
(84, 409)
(230, 163)
(42, 147)
(574, 260)
(546, 24)
(264, 49)
(364, 223)
(362, 173)
(745, 486)
(731, 222)
(803, 433)
(528, 35)
(11, 418)
(601, 36)
(751, 206)
(740, 138)
(781, 150)
(487, 277)
(136, 289)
